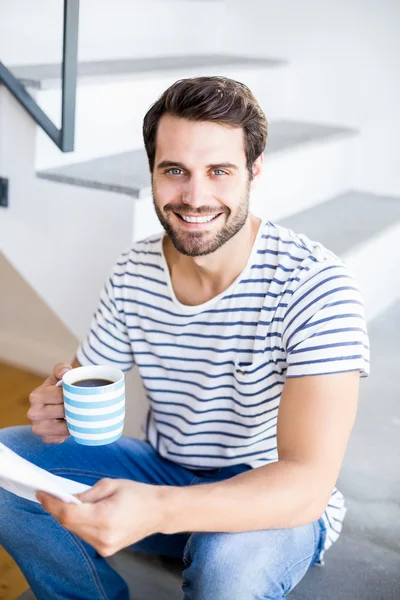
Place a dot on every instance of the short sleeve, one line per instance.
(324, 328)
(107, 341)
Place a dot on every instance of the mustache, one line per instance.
(184, 209)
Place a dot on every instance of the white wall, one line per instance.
(344, 58)
(62, 240)
(31, 32)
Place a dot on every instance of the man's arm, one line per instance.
(315, 418)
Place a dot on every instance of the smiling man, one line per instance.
(250, 341)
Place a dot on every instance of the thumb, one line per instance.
(59, 370)
(101, 490)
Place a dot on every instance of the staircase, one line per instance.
(71, 215)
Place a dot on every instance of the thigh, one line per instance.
(249, 565)
(127, 458)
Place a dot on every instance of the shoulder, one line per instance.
(141, 254)
(296, 257)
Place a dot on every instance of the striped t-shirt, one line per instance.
(214, 373)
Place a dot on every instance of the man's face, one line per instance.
(200, 183)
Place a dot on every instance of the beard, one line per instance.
(200, 243)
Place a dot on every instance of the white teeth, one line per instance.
(198, 219)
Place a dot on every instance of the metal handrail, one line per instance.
(64, 138)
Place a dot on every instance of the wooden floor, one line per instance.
(15, 387)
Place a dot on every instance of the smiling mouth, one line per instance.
(198, 220)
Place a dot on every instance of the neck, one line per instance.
(198, 279)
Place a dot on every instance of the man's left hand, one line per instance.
(115, 513)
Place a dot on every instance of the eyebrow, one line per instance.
(169, 163)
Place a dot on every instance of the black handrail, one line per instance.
(64, 138)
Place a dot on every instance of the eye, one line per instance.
(174, 171)
(219, 172)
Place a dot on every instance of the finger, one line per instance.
(57, 374)
(46, 412)
(50, 428)
(69, 515)
(101, 490)
(60, 369)
(46, 395)
(54, 439)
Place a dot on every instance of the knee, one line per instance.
(15, 437)
(226, 566)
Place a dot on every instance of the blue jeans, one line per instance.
(218, 566)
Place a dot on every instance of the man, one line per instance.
(250, 341)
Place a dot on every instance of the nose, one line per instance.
(196, 192)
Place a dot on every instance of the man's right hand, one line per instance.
(47, 408)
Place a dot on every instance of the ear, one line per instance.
(258, 167)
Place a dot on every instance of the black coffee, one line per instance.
(92, 382)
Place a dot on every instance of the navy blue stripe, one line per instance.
(184, 445)
(204, 360)
(102, 303)
(194, 323)
(270, 281)
(201, 335)
(103, 343)
(316, 286)
(213, 433)
(325, 360)
(340, 302)
(150, 252)
(278, 253)
(111, 334)
(138, 263)
(336, 372)
(146, 277)
(338, 330)
(224, 421)
(168, 393)
(108, 358)
(143, 290)
(323, 347)
(186, 316)
(86, 356)
(248, 455)
(331, 525)
(205, 374)
(259, 295)
(207, 348)
(307, 325)
(298, 243)
(209, 388)
(150, 240)
(201, 323)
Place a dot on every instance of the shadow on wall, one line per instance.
(31, 334)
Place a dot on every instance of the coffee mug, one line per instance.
(94, 404)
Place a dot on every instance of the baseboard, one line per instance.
(31, 354)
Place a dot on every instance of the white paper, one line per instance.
(24, 479)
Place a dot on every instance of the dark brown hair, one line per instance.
(217, 99)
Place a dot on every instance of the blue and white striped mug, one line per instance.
(94, 415)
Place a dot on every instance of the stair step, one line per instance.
(49, 75)
(363, 229)
(128, 172)
(346, 221)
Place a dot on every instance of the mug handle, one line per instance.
(59, 383)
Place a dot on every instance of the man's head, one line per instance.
(204, 139)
